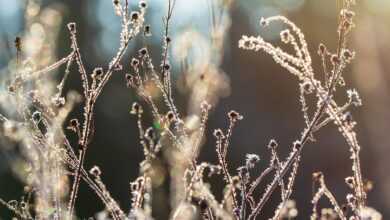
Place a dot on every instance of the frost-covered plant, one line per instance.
(39, 113)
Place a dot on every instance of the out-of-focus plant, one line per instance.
(36, 112)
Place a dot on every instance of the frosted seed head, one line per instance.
(143, 51)
(134, 62)
(147, 31)
(205, 106)
(354, 97)
(95, 171)
(335, 59)
(344, 208)
(307, 87)
(134, 16)
(97, 73)
(72, 27)
(348, 14)
(285, 36)
(203, 204)
(18, 43)
(272, 144)
(170, 116)
(150, 134)
(143, 4)
(129, 77)
(351, 199)
(237, 211)
(348, 55)
(297, 145)
(36, 116)
(166, 67)
(348, 117)
(317, 176)
(322, 50)
(251, 160)
(264, 22)
(218, 133)
(168, 40)
(350, 181)
(235, 116)
(74, 124)
(134, 186)
(136, 109)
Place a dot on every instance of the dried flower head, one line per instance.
(322, 50)
(354, 98)
(205, 106)
(285, 36)
(72, 27)
(335, 60)
(95, 171)
(347, 14)
(317, 176)
(134, 62)
(297, 145)
(147, 31)
(351, 199)
(348, 55)
(168, 40)
(150, 134)
(235, 116)
(18, 43)
(264, 22)
(166, 67)
(350, 181)
(134, 16)
(136, 109)
(218, 133)
(74, 125)
(272, 144)
(328, 214)
(348, 118)
(251, 160)
(307, 87)
(143, 4)
(36, 116)
(11, 88)
(97, 73)
(143, 51)
(170, 116)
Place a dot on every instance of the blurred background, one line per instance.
(262, 91)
